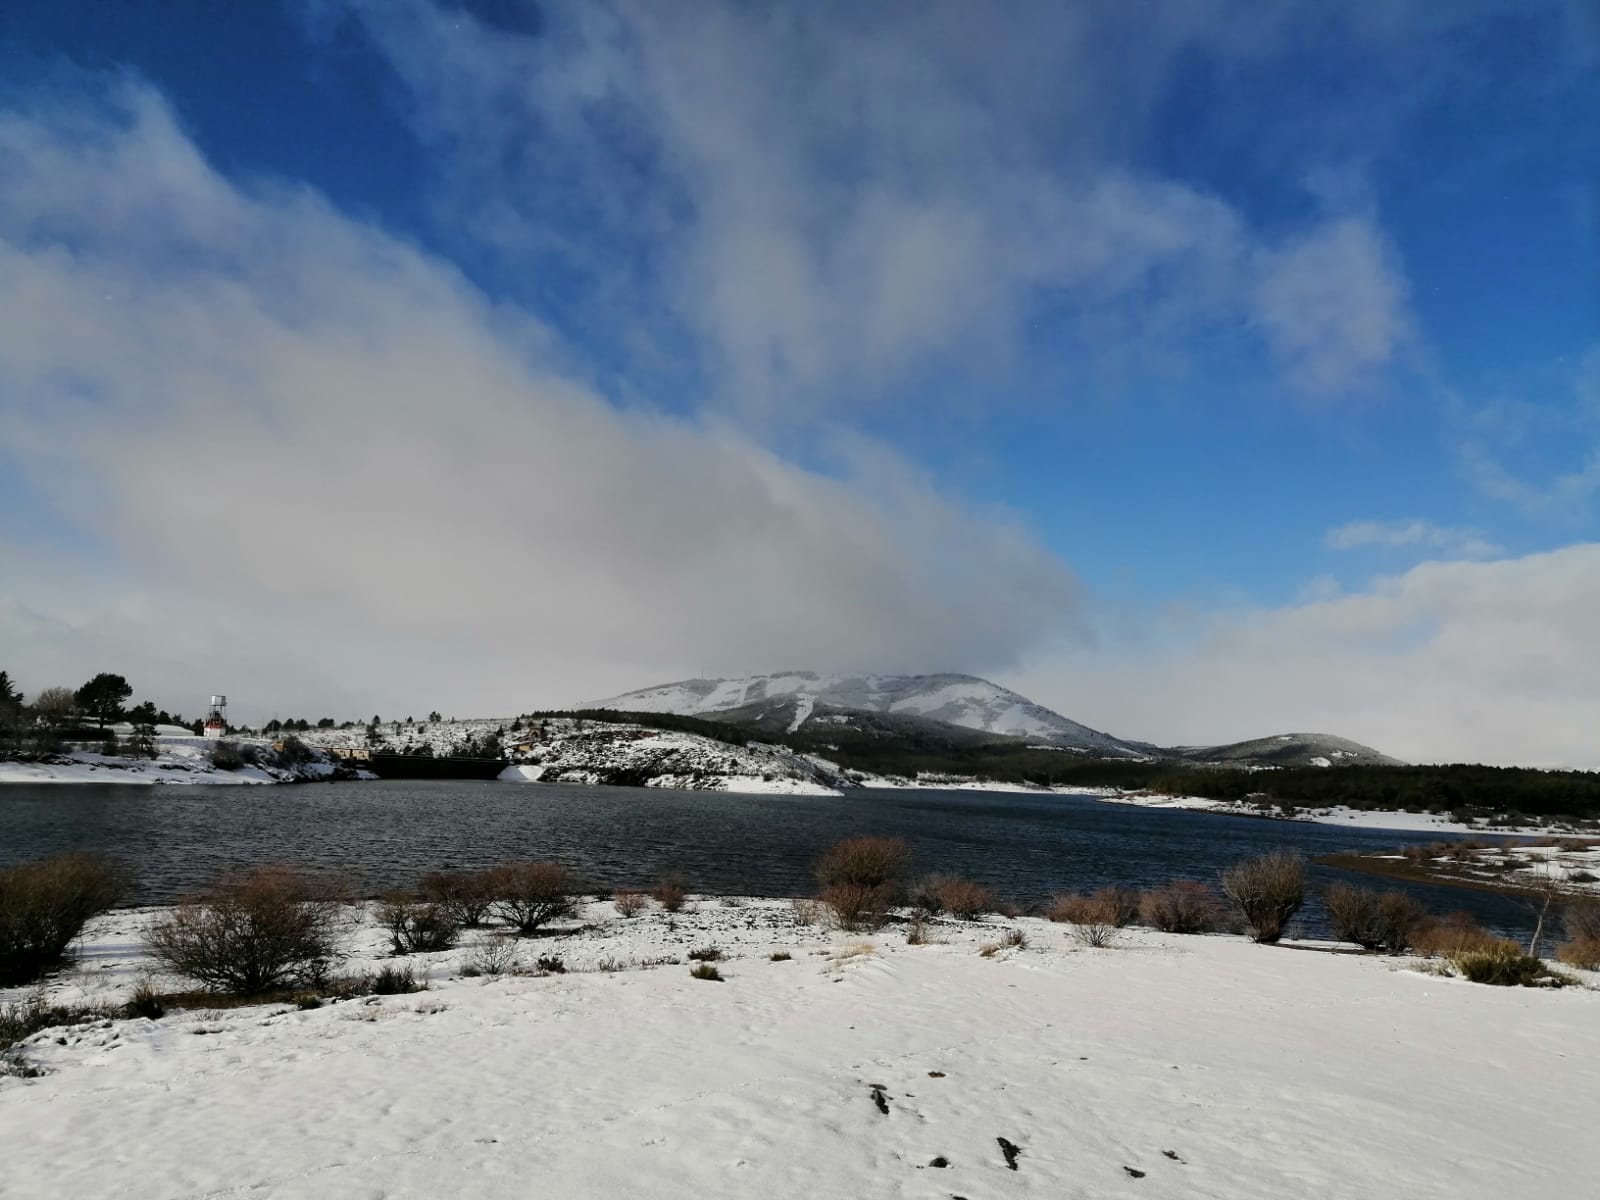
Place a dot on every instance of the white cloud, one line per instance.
(833, 202)
(1454, 662)
(1414, 534)
(328, 440)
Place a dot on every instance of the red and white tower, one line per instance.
(216, 722)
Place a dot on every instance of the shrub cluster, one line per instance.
(417, 926)
(530, 894)
(260, 931)
(862, 877)
(44, 907)
(670, 892)
(1371, 919)
(1501, 963)
(962, 898)
(1447, 936)
(1582, 922)
(631, 904)
(1267, 891)
(1182, 906)
(466, 895)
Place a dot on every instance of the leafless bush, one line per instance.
(1371, 919)
(44, 907)
(1267, 891)
(861, 879)
(492, 955)
(670, 892)
(530, 894)
(1014, 939)
(868, 862)
(704, 970)
(858, 906)
(706, 954)
(267, 929)
(466, 895)
(631, 904)
(1582, 919)
(1182, 906)
(965, 899)
(1093, 919)
(417, 927)
(809, 912)
(917, 930)
(1444, 937)
(1580, 952)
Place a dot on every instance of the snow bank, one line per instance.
(1170, 1067)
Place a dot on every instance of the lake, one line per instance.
(384, 835)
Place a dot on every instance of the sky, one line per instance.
(1202, 370)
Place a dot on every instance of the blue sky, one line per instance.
(1096, 343)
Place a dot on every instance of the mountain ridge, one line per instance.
(792, 702)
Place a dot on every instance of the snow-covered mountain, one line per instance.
(1291, 750)
(960, 700)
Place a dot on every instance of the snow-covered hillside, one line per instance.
(961, 700)
(1292, 750)
(563, 750)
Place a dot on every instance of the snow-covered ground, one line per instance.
(1572, 869)
(565, 750)
(179, 759)
(862, 1066)
(1358, 818)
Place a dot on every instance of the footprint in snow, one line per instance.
(1010, 1149)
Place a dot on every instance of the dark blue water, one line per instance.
(384, 835)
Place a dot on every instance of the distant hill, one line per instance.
(1290, 750)
(801, 698)
(950, 718)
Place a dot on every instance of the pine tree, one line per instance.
(10, 697)
(103, 697)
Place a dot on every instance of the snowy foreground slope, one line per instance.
(1209, 1066)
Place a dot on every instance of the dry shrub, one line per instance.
(868, 862)
(466, 895)
(779, 956)
(704, 970)
(1582, 919)
(670, 892)
(1093, 918)
(989, 949)
(1267, 891)
(1501, 963)
(1120, 903)
(1580, 952)
(258, 932)
(417, 927)
(1182, 906)
(861, 878)
(858, 906)
(1444, 937)
(706, 954)
(631, 904)
(44, 907)
(1014, 939)
(917, 930)
(493, 955)
(1371, 919)
(530, 894)
(809, 912)
(965, 899)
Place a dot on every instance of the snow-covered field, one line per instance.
(1167, 1067)
(184, 759)
(1356, 818)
